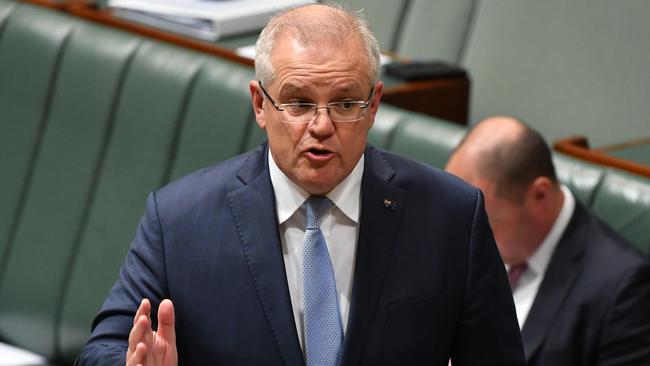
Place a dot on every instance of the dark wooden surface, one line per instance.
(578, 146)
(443, 98)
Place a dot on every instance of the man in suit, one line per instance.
(401, 270)
(582, 293)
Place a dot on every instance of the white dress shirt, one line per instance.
(529, 282)
(340, 229)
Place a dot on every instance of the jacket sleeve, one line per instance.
(142, 275)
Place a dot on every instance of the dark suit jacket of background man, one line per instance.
(428, 278)
(593, 306)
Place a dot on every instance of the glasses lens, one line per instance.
(346, 111)
(298, 112)
(338, 111)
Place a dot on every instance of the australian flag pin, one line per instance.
(389, 204)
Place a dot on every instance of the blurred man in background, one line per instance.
(581, 292)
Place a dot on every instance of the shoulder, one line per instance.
(213, 182)
(606, 252)
(429, 194)
(418, 177)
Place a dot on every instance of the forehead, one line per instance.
(297, 64)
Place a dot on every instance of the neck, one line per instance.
(546, 219)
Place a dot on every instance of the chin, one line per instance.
(318, 185)
(319, 188)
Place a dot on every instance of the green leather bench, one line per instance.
(92, 119)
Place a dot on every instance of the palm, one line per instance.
(153, 348)
(163, 352)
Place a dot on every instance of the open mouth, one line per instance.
(319, 152)
(320, 156)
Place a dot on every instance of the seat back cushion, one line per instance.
(85, 87)
(6, 7)
(623, 201)
(31, 45)
(216, 123)
(385, 125)
(426, 139)
(384, 17)
(147, 121)
(435, 29)
(581, 177)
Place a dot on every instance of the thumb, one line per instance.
(166, 322)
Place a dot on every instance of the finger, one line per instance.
(166, 322)
(148, 337)
(137, 335)
(138, 356)
(143, 309)
(137, 332)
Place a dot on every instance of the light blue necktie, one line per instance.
(323, 328)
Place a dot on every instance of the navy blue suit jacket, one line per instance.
(593, 306)
(428, 282)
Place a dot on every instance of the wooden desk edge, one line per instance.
(578, 147)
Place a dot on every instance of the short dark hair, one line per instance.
(514, 165)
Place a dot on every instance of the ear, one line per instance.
(376, 98)
(538, 195)
(257, 99)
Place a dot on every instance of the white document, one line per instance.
(208, 20)
(14, 356)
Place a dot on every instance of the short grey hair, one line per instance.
(308, 30)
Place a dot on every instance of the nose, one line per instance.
(322, 124)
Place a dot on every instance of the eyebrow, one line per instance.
(344, 88)
(290, 90)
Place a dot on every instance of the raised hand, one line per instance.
(148, 347)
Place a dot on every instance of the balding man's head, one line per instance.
(512, 165)
(505, 152)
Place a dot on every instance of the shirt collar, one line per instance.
(538, 262)
(289, 196)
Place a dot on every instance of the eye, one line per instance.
(346, 105)
(298, 108)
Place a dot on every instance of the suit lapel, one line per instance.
(253, 208)
(561, 274)
(381, 210)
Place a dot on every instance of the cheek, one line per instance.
(354, 140)
(501, 228)
(284, 137)
(509, 229)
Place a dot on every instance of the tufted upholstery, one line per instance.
(92, 120)
(623, 201)
(419, 29)
(582, 178)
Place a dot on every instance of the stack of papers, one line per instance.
(14, 356)
(208, 20)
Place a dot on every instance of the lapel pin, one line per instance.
(389, 204)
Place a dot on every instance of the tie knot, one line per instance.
(316, 207)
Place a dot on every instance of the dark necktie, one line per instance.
(322, 318)
(514, 273)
